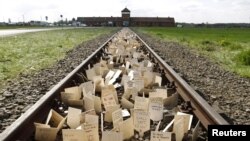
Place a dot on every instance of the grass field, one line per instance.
(228, 46)
(20, 26)
(29, 52)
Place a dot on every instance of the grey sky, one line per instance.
(195, 11)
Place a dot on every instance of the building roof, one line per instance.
(125, 10)
(151, 19)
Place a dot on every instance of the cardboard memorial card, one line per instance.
(125, 113)
(112, 136)
(131, 74)
(109, 111)
(103, 62)
(90, 73)
(118, 56)
(106, 82)
(148, 78)
(110, 74)
(131, 92)
(127, 94)
(74, 90)
(65, 97)
(156, 108)
(89, 102)
(114, 92)
(101, 69)
(117, 117)
(111, 65)
(160, 136)
(132, 112)
(97, 104)
(97, 68)
(41, 125)
(82, 116)
(141, 121)
(187, 119)
(108, 100)
(49, 130)
(137, 75)
(127, 128)
(107, 90)
(134, 63)
(182, 123)
(161, 94)
(126, 104)
(73, 135)
(115, 76)
(75, 103)
(91, 131)
(125, 79)
(128, 85)
(93, 119)
(127, 65)
(123, 69)
(87, 87)
(45, 134)
(179, 129)
(73, 119)
(98, 83)
(138, 84)
(55, 120)
(141, 103)
(149, 64)
(136, 55)
(104, 71)
(158, 80)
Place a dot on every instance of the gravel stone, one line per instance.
(7, 94)
(2, 98)
(20, 101)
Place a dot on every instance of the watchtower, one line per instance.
(125, 17)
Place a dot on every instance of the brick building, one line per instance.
(126, 20)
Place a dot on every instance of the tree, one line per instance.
(46, 18)
(61, 19)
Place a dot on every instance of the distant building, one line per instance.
(38, 23)
(126, 20)
(2, 23)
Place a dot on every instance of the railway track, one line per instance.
(124, 68)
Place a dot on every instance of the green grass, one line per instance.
(224, 45)
(29, 52)
(20, 26)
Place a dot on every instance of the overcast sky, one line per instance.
(195, 11)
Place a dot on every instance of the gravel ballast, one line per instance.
(227, 92)
(20, 94)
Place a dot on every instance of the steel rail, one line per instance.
(24, 127)
(204, 112)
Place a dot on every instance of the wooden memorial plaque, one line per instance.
(160, 136)
(156, 108)
(141, 121)
(73, 119)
